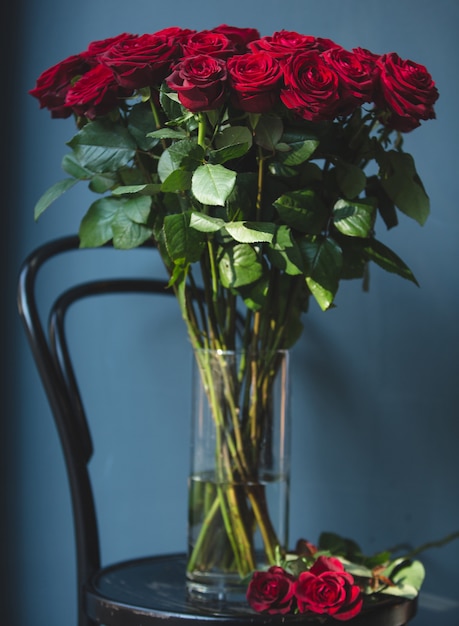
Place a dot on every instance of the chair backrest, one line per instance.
(51, 353)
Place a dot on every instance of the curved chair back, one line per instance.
(51, 353)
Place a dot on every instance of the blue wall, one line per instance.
(375, 386)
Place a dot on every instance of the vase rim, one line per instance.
(222, 352)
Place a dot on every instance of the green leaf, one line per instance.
(408, 577)
(298, 151)
(239, 265)
(122, 219)
(254, 294)
(324, 260)
(268, 132)
(251, 232)
(228, 153)
(178, 180)
(407, 572)
(168, 133)
(205, 223)
(149, 189)
(338, 545)
(387, 259)
(385, 205)
(166, 165)
(279, 169)
(403, 185)
(100, 183)
(350, 178)
(182, 242)
(127, 233)
(354, 219)
(170, 103)
(73, 167)
(96, 225)
(102, 146)
(212, 184)
(356, 569)
(284, 253)
(52, 194)
(302, 210)
(140, 124)
(233, 135)
(137, 209)
(185, 154)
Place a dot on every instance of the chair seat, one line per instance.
(152, 590)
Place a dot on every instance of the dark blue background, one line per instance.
(374, 382)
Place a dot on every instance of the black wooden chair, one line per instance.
(138, 592)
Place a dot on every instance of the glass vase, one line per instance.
(240, 464)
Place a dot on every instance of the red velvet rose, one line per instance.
(239, 36)
(271, 591)
(356, 78)
(200, 82)
(282, 44)
(255, 81)
(328, 588)
(96, 93)
(406, 90)
(175, 33)
(311, 87)
(53, 84)
(209, 42)
(141, 61)
(96, 48)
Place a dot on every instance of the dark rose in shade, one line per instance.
(95, 94)
(99, 47)
(405, 90)
(53, 84)
(271, 591)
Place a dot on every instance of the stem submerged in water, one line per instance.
(238, 504)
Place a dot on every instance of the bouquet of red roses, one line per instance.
(261, 167)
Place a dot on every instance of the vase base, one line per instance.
(221, 589)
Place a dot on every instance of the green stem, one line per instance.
(202, 130)
(433, 544)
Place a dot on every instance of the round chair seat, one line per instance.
(152, 590)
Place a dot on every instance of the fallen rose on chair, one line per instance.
(328, 588)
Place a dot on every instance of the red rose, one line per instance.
(141, 61)
(328, 588)
(271, 591)
(255, 81)
(285, 42)
(406, 90)
(200, 82)
(53, 84)
(95, 93)
(96, 48)
(175, 33)
(366, 55)
(311, 87)
(209, 42)
(356, 78)
(239, 36)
